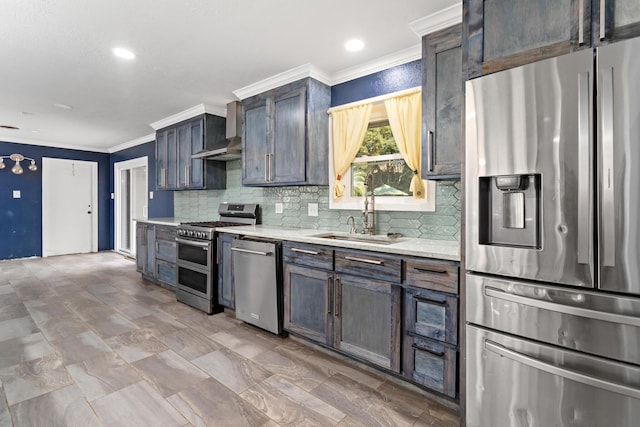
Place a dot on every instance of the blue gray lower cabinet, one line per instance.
(156, 253)
(397, 313)
(226, 282)
(431, 363)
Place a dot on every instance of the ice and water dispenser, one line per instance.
(510, 210)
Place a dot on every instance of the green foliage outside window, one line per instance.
(392, 176)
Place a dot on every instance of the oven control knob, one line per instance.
(201, 234)
(190, 233)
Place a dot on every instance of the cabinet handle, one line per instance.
(581, 22)
(270, 166)
(435, 353)
(337, 297)
(430, 270)
(603, 21)
(365, 260)
(305, 251)
(187, 177)
(329, 288)
(430, 300)
(430, 149)
(266, 167)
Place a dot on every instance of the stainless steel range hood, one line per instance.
(231, 147)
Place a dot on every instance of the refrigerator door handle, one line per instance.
(584, 169)
(607, 177)
(562, 372)
(562, 308)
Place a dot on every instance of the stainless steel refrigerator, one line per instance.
(553, 242)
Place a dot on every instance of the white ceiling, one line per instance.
(189, 52)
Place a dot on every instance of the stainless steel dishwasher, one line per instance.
(257, 268)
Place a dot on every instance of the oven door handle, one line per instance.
(561, 371)
(203, 245)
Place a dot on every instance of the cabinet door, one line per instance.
(286, 162)
(166, 274)
(307, 302)
(442, 104)
(161, 160)
(150, 240)
(503, 34)
(367, 320)
(171, 178)
(183, 142)
(141, 247)
(226, 285)
(255, 149)
(195, 172)
(431, 363)
(615, 20)
(431, 314)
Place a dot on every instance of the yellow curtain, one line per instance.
(405, 118)
(349, 126)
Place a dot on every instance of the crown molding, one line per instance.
(29, 141)
(437, 21)
(187, 114)
(297, 73)
(398, 58)
(133, 143)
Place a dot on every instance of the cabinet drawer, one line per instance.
(431, 314)
(368, 264)
(166, 250)
(309, 255)
(432, 274)
(166, 273)
(165, 232)
(430, 363)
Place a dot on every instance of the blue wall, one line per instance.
(21, 219)
(162, 203)
(393, 79)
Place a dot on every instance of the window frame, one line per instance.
(383, 203)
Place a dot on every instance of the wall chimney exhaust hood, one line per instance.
(231, 147)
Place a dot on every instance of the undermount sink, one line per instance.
(361, 238)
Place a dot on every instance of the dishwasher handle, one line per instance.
(249, 251)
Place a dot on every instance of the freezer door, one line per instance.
(517, 382)
(528, 171)
(619, 166)
(586, 321)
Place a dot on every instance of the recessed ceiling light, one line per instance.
(63, 106)
(354, 45)
(123, 53)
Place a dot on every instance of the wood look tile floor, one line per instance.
(85, 341)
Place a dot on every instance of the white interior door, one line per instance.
(69, 206)
(131, 203)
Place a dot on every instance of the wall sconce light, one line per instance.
(17, 168)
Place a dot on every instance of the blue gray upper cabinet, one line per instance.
(286, 136)
(175, 169)
(442, 95)
(503, 34)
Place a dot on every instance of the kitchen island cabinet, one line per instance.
(285, 135)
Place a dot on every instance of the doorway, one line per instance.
(69, 206)
(131, 203)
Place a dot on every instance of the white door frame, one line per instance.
(117, 168)
(94, 201)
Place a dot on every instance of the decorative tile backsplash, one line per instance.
(443, 224)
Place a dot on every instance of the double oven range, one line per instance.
(197, 266)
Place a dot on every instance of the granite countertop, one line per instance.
(439, 249)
